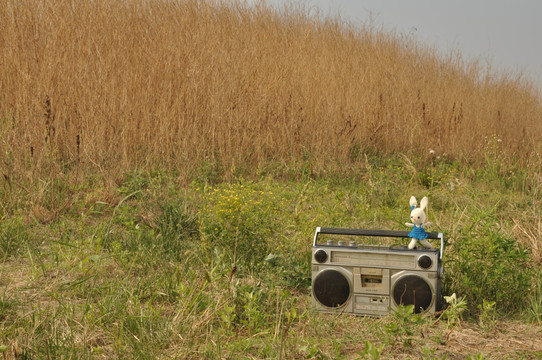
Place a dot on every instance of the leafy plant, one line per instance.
(292, 272)
(240, 218)
(430, 353)
(486, 263)
(254, 315)
(487, 319)
(402, 325)
(134, 183)
(371, 351)
(454, 312)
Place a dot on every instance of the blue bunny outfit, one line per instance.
(418, 232)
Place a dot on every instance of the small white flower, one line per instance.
(451, 299)
(431, 152)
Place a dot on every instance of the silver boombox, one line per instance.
(348, 277)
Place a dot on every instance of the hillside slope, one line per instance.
(123, 84)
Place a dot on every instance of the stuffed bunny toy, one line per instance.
(417, 216)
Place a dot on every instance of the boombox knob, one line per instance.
(425, 262)
(320, 256)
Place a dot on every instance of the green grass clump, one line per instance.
(14, 237)
(487, 264)
(242, 218)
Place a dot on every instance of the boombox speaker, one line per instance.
(348, 277)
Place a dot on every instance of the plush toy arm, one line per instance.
(429, 223)
(409, 224)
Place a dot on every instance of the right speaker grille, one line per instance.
(413, 290)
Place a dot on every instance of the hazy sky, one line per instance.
(507, 33)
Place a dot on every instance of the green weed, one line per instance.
(134, 182)
(14, 237)
(487, 318)
(241, 219)
(454, 312)
(371, 351)
(403, 324)
(177, 229)
(534, 300)
(485, 263)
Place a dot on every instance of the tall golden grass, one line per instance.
(118, 85)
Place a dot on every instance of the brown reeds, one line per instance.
(137, 83)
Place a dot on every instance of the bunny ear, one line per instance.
(424, 202)
(413, 202)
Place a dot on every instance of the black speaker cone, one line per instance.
(331, 288)
(413, 290)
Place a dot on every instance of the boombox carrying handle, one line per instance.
(381, 233)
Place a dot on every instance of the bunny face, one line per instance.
(417, 216)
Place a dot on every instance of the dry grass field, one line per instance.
(116, 85)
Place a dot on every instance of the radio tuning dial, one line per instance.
(320, 256)
(425, 262)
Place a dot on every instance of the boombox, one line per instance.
(349, 277)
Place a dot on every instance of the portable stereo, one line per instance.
(349, 277)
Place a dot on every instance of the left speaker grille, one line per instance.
(331, 288)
